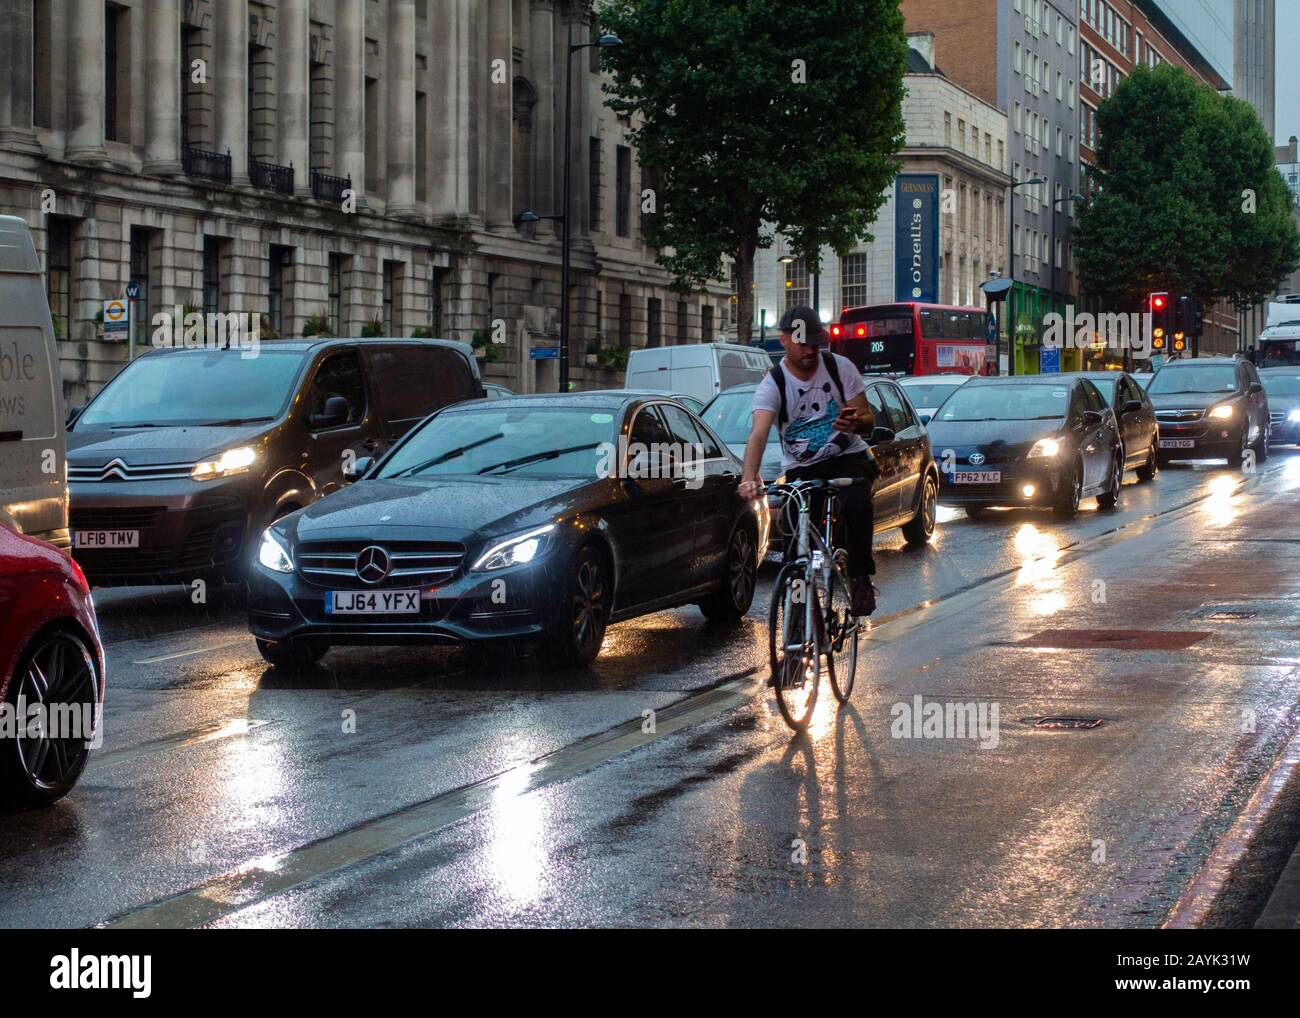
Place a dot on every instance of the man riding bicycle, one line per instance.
(819, 404)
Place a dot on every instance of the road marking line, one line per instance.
(263, 878)
(190, 653)
(191, 737)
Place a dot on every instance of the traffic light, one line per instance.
(1158, 306)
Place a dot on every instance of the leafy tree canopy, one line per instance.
(758, 117)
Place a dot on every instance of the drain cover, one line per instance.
(1114, 639)
(1064, 722)
(1228, 616)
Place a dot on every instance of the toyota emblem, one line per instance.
(977, 458)
(372, 564)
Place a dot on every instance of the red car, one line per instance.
(51, 671)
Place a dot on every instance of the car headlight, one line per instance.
(517, 550)
(1294, 416)
(1045, 447)
(1221, 412)
(272, 554)
(232, 461)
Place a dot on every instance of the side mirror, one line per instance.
(334, 413)
(356, 469)
(1091, 417)
(1255, 388)
(73, 414)
(880, 434)
(1132, 406)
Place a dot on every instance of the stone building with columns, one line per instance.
(346, 166)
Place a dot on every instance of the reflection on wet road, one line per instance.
(418, 786)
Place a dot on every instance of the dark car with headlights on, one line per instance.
(180, 462)
(1282, 387)
(1027, 440)
(535, 518)
(905, 494)
(1135, 416)
(1210, 407)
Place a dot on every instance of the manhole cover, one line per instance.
(1064, 722)
(1228, 616)
(1114, 639)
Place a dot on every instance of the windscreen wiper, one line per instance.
(450, 454)
(232, 422)
(537, 457)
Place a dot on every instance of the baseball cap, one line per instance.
(812, 332)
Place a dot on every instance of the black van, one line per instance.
(180, 462)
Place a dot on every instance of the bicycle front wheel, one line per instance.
(793, 649)
(841, 639)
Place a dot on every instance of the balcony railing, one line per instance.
(328, 188)
(202, 163)
(270, 177)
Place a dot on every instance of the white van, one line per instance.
(701, 370)
(33, 461)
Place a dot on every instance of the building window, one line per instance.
(706, 323)
(623, 194)
(374, 179)
(654, 312)
(593, 184)
(211, 275)
(390, 297)
(58, 274)
(650, 183)
(140, 276)
(336, 294)
(436, 283)
(947, 130)
(625, 320)
(683, 322)
(796, 284)
(279, 258)
(42, 73)
(853, 280)
(422, 154)
(114, 38)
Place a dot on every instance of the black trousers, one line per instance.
(856, 522)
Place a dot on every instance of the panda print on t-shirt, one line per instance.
(808, 436)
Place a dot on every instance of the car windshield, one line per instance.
(1006, 403)
(1281, 384)
(196, 387)
(929, 393)
(505, 440)
(1194, 378)
(728, 415)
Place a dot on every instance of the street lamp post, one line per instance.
(1056, 202)
(1011, 266)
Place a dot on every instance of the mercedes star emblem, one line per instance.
(372, 564)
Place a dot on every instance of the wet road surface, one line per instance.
(418, 786)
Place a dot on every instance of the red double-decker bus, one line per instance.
(912, 338)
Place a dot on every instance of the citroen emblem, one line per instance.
(977, 458)
(372, 564)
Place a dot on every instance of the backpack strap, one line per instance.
(832, 369)
(778, 376)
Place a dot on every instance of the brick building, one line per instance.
(341, 164)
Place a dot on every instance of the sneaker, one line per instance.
(863, 595)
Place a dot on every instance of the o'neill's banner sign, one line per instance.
(916, 237)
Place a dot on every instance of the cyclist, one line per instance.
(819, 404)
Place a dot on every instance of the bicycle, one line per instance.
(811, 612)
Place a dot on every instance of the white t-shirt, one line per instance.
(812, 406)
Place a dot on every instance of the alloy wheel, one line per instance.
(60, 674)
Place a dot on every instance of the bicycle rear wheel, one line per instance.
(793, 649)
(841, 639)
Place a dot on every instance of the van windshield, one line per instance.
(196, 387)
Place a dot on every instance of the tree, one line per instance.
(758, 118)
(1189, 200)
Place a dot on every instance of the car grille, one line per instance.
(120, 470)
(1179, 416)
(1275, 418)
(411, 563)
(116, 518)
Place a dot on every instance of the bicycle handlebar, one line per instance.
(812, 485)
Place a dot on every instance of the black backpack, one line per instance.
(778, 376)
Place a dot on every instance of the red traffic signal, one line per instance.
(1159, 301)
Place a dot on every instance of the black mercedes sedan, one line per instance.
(1282, 387)
(533, 518)
(1027, 440)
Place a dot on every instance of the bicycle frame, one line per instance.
(815, 551)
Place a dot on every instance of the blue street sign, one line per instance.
(1049, 359)
(133, 290)
(543, 353)
(991, 332)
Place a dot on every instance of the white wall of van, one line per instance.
(701, 370)
(33, 461)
